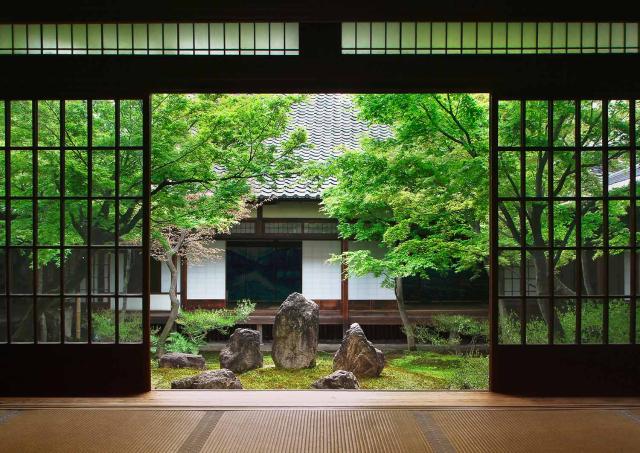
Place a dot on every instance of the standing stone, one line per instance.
(358, 355)
(216, 379)
(181, 360)
(337, 380)
(242, 352)
(295, 333)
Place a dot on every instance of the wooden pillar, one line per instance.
(344, 287)
(259, 220)
(184, 265)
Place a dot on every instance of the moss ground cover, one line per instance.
(419, 370)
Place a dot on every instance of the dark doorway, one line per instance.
(264, 272)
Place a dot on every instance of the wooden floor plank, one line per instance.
(242, 399)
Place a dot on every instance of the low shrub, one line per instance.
(176, 342)
(426, 334)
(196, 324)
(591, 320)
(104, 330)
(452, 330)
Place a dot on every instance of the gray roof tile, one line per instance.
(331, 123)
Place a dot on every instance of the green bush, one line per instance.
(153, 340)
(458, 325)
(197, 323)
(591, 320)
(448, 329)
(176, 342)
(509, 329)
(426, 334)
(104, 331)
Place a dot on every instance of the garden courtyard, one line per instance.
(416, 370)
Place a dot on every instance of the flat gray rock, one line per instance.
(337, 380)
(181, 360)
(214, 379)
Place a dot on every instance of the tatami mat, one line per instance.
(317, 431)
(320, 430)
(539, 430)
(81, 430)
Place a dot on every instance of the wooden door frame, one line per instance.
(320, 67)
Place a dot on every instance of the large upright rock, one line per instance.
(242, 352)
(215, 379)
(295, 333)
(358, 355)
(181, 360)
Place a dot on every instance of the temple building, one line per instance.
(286, 245)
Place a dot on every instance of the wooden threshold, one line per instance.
(330, 399)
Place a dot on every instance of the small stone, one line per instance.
(214, 379)
(295, 333)
(340, 379)
(358, 355)
(242, 352)
(181, 360)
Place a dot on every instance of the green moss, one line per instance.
(404, 371)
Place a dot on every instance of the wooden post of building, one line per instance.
(259, 221)
(344, 287)
(183, 281)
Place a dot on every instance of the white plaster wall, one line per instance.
(159, 302)
(165, 277)
(320, 280)
(293, 210)
(206, 280)
(368, 287)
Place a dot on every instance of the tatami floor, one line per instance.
(319, 421)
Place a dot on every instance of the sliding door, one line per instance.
(74, 199)
(564, 246)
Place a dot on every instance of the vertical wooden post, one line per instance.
(344, 286)
(184, 266)
(259, 221)
(493, 238)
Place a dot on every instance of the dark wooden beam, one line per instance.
(318, 11)
(611, 75)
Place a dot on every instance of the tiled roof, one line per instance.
(621, 178)
(331, 123)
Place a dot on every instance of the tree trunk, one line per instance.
(586, 271)
(126, 275)
(408, 328)
(542, 283)
(175, 307)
